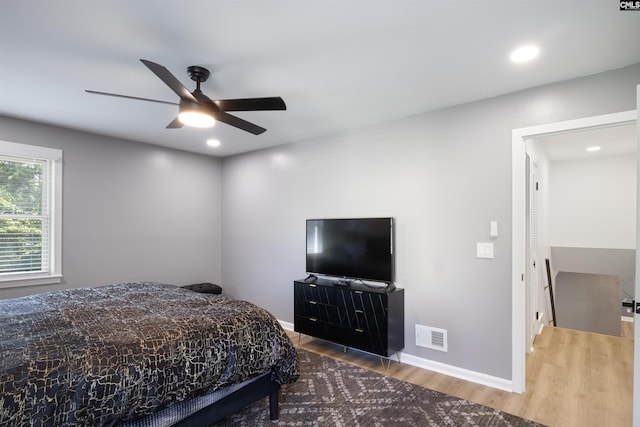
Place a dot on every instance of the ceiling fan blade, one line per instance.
(175, 124)
(137, 98)
(252, 104)
(227, 118)
(169, 79)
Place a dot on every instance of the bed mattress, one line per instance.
(102, 356)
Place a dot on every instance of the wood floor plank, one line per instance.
(574, 378)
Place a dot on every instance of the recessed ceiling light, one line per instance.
(593, 148)
(213, 142)
(525, 53)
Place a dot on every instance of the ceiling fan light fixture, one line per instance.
(196, 119)
(192, 114)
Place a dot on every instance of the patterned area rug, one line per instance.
(333, 393)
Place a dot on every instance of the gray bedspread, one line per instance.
(100, 356)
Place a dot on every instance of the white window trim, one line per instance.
(55, 273)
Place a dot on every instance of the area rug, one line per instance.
(333, 393)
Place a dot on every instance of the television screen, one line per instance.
(358, 248)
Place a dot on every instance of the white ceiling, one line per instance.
(613, 141)
(338, 65)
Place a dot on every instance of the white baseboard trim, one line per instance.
(442, 368)
(626, 319)
(287, 326)
(456, 372)
(540, 322)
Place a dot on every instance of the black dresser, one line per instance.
(357, 316)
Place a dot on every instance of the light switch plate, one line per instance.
(484, 250)
(493, 229)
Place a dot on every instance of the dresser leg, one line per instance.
(385, 365)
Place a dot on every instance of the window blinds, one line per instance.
(25, 217)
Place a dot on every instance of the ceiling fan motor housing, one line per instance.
(198, 74)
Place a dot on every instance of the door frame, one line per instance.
(636, 316)
(518, 225)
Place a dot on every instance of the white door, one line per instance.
(531, 277)
(636, 364)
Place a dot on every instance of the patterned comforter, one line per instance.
(100, 356)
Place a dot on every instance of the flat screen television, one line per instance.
(355, 248)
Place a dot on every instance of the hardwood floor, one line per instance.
(574, 378)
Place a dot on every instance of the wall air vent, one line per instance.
(433, 338)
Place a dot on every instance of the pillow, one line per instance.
(205, 288)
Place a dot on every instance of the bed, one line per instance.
(137, 354)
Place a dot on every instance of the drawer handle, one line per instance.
(359, 330)
(359, 311)
(312, 302)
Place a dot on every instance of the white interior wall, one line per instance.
(593, 202)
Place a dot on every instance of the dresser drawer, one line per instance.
(318, 294)
(316, 310)
(367, 341)
(366, 321)
(324, 330)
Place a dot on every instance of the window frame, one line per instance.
(53, 158)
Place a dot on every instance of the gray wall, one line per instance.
(131, 211)
(442, 175)
(588, 302)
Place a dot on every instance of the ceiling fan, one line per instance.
(197, 109)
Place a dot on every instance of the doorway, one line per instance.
(519, 225)
(586, 182)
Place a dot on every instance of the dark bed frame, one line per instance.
(232, 403)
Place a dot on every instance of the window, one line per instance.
(30, 215)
